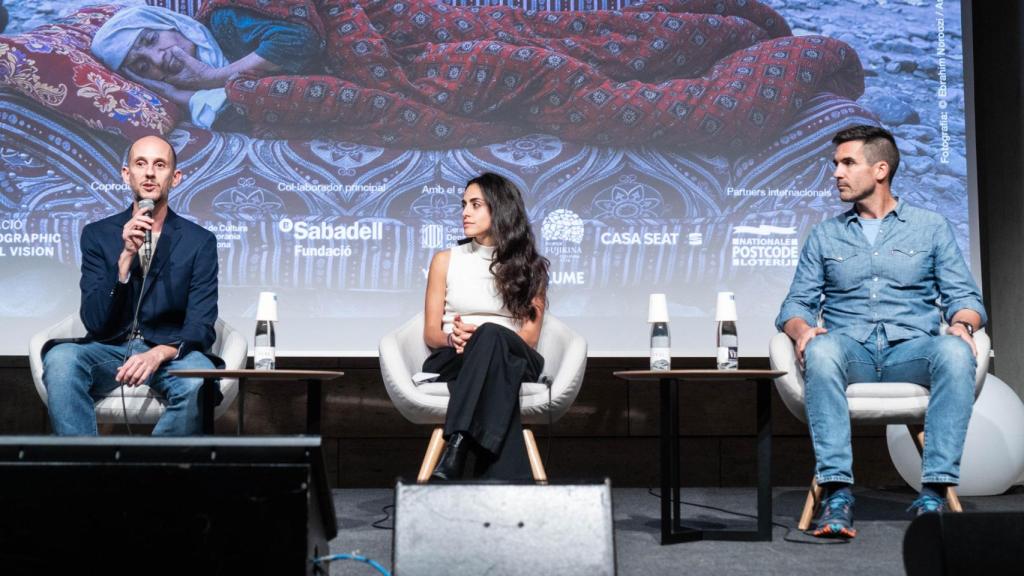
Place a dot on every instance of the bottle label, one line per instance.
(263, 357)
(728, 358)
(661, 359)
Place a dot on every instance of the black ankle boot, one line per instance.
(453, 459)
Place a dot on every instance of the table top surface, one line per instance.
(697, 374)
(254, 374)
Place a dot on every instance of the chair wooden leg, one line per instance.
(437, 443)
(432, 456)
(917, 433)
(952, 500)
(536, 465)
(810, 505)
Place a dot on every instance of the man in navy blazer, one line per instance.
(149, 306)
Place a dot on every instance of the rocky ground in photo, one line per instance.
(897, 41)
(28, 14)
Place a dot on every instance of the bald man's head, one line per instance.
(172, 157)
(151, 170)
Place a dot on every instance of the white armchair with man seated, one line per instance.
(141, 405)
(870, 403)
(403, 351)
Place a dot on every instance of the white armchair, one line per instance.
(403, 351)
(870, 403)
(143, 405)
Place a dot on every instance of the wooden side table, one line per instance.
(312, 378)
(672, 527)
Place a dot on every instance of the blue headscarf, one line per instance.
(116, 37)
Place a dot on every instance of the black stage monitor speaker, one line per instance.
(964, 544)
(163, 506)
(508, 529)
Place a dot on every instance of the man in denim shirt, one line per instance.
(881, 274)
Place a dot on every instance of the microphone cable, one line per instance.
(132, 337)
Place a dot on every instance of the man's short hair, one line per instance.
(174, 154)
(879, 145)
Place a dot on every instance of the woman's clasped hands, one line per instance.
(461, 333)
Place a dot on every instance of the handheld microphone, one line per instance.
(146, 207)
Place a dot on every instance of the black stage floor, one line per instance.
(880, 520)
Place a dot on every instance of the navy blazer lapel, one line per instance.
(169, 237)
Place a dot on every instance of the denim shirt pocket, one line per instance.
(909, 265)
(844, 270)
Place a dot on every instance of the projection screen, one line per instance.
(658, 149)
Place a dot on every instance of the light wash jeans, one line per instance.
(77, 375)
(944, 364)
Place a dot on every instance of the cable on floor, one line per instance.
(387, 515)
(323, 562)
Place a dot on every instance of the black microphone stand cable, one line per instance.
(134, 332)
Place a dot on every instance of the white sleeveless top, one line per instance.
(470, 289)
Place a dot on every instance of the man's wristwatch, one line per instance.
(968, 325)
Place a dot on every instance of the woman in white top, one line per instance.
(484, 307)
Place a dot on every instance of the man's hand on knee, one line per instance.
(804, 339)
(801, 333)
(960, 331)
(137, 369)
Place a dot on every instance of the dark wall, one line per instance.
(998, 47)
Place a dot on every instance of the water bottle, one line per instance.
(661, 347)
(264, 344)
(728, 341)
(728, 345)
(661, 344)
(264, 351)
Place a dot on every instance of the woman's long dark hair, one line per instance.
(520, 272)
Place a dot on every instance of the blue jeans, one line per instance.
(944, 364)
(78, 375)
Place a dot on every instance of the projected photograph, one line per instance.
(665, 146)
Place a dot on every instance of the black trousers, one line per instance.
(483, 384)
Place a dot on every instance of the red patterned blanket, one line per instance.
(722, 74)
